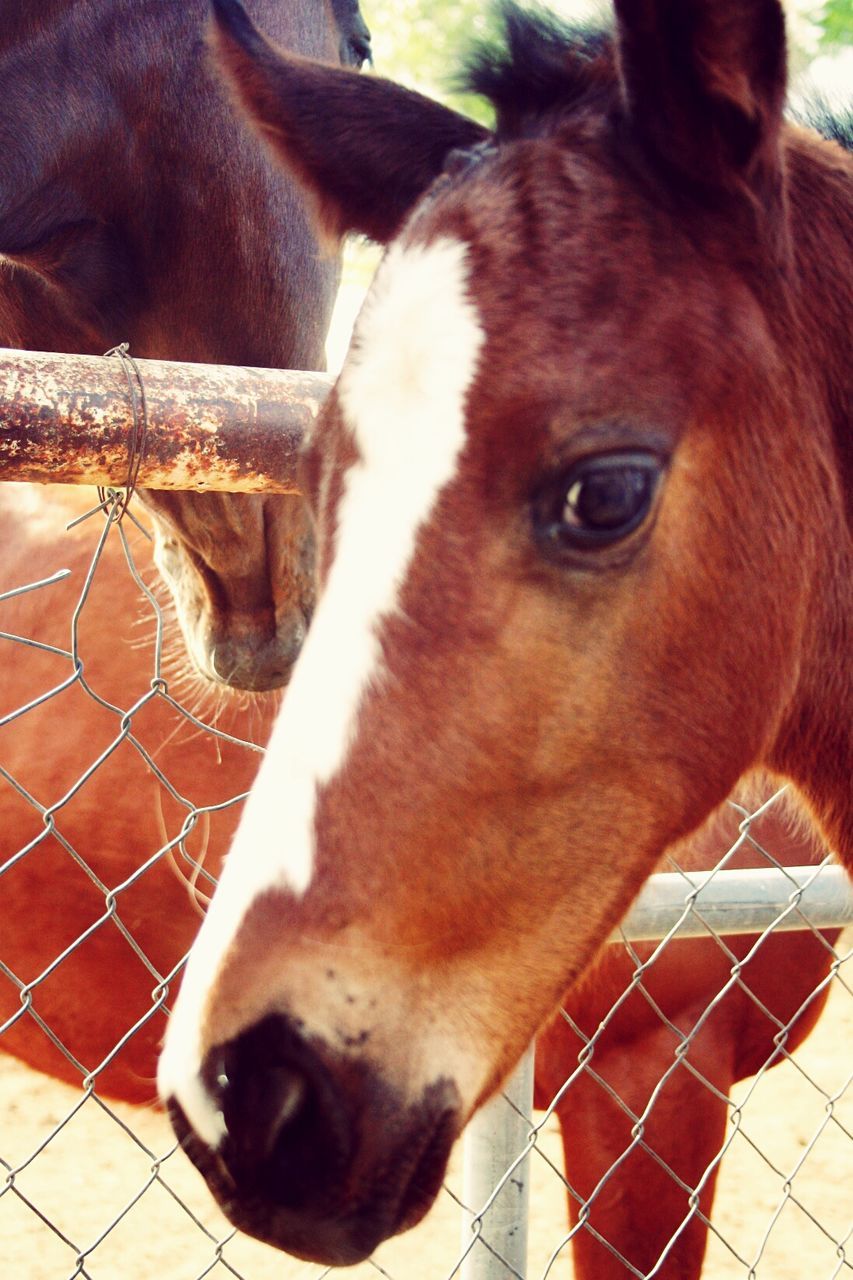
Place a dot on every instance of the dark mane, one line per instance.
(831, 122)
(540, 65)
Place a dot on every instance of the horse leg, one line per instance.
(643, 1183)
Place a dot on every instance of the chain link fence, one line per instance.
(121, 779)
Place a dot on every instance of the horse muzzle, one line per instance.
(320, 1156)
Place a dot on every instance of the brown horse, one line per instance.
(588, 462)
(134, 206)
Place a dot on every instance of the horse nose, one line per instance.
(315, 1151)
(287, 1131)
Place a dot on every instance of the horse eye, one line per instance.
(600, 500)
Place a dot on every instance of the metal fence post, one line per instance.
(494, 1139)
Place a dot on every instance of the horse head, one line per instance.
(583, 565)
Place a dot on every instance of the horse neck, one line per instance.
(815, 748)
(820, 193)
(815, 744)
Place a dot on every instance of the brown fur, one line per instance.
(635, 1045)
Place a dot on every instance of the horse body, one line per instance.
(107, 836)
(134, 206)
(597, 468)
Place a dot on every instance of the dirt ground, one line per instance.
(85, 1183)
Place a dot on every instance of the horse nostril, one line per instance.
(259, 1101)
(286, 1095)
(286, 1129)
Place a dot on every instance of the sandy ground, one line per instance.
(85, 1184)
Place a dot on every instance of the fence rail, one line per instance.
(692, 904)
(76, 420)
(67, 419)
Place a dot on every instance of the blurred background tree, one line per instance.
(835, 19)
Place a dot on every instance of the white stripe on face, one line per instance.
(402, 394)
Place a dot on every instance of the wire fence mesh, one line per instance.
(680, 1064)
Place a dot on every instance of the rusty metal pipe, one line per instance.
(69, 419)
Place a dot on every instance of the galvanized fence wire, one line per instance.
(160, 1186)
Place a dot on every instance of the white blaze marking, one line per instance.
(402, 393)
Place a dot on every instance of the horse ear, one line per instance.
(704, 86)
(364, 148)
